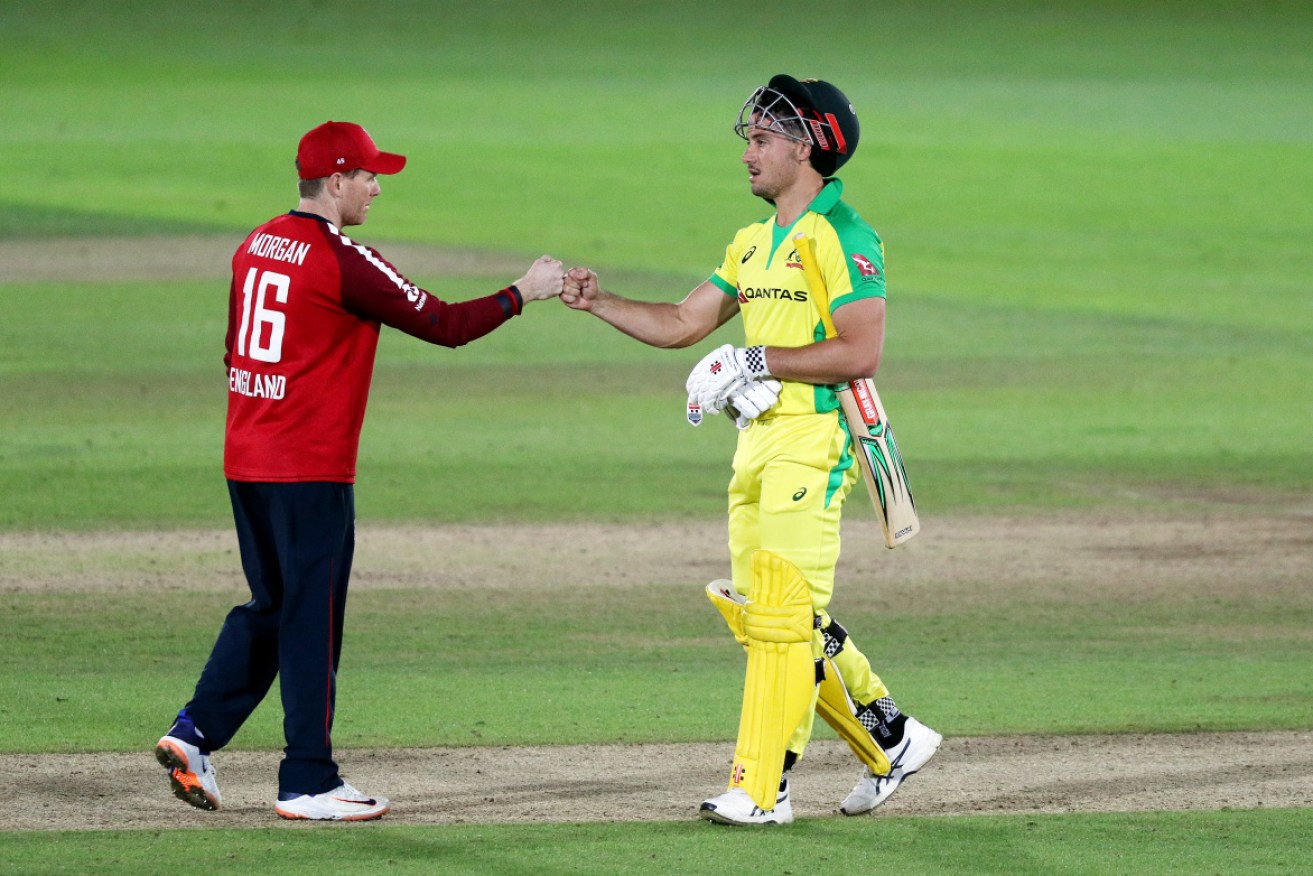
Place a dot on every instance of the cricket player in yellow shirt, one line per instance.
(793, 467)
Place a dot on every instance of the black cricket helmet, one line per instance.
(809, 111)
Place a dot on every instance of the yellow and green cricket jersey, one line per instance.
(762, 270)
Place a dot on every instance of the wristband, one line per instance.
(754, 360)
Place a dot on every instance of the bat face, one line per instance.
(891, 479)
(880, 446)
(882, 463)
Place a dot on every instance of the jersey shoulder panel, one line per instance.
(365, 273)
(853, 254)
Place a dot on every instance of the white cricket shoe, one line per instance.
(737, 807)
(919, 745)
(343, 803)
(190, 772)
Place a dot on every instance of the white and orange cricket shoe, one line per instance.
(190, 771)
(343, 803)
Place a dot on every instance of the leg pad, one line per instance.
(781, 677)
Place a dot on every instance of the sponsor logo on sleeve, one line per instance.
(415, 295)
(865, 266)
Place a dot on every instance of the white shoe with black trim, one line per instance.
(919, 745)
(343, 803)
(737, 807)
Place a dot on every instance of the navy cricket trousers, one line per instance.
(297, 541)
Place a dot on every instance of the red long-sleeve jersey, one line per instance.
(303, 319)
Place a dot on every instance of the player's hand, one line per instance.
(544, 279)
(712, 380)
(755, 398)
(580, 289)
(721, 373)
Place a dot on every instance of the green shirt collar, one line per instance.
(828, 196)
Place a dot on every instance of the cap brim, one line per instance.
(385, 162)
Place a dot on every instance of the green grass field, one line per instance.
(1097, 232)
(1161, 845)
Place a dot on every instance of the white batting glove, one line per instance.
(721, 373)
(716, 370)
(754, 399)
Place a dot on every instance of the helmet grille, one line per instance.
(769, 110)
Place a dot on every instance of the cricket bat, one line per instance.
(876, 449)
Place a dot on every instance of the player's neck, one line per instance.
(321, 207)
(794, 200)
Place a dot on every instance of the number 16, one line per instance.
(253, 298)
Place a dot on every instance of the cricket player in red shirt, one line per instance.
(304, 312)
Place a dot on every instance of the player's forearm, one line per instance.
(656, 323)
(449, 324)
(833, 361)
(851, 354)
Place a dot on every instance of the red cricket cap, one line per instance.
(337, 147)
